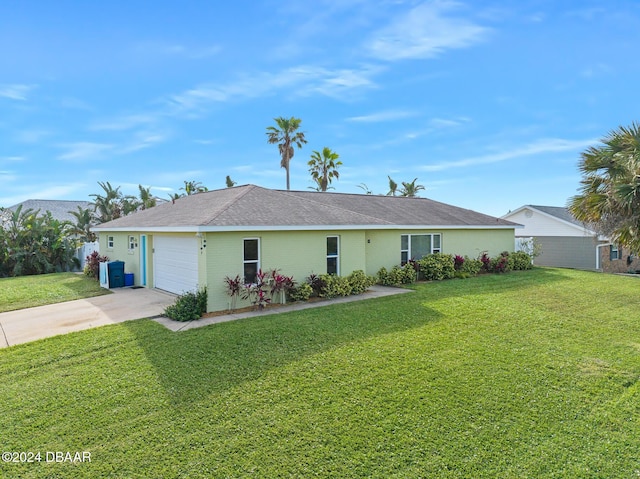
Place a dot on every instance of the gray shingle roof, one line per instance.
(59, 208)
(253, 206)
(559, 212)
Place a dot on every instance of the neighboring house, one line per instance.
(200, 239)
(568, 243)
(59, 209)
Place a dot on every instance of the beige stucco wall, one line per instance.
(121, 251)
(299, 253)
(294, 253)
(383, 247)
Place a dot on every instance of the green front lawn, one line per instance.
(528, 375)
(38, 290)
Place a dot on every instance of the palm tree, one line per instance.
(82, 227)
(193, 187)
(147, 200)
(609, 198)
(109, 206)
(230, 182)
(324, 167)
(410, 189)
(365, 188)
(393, 187)
(286, 136)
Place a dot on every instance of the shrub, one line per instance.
(257, 293)
(317, 283)
(188, 307)
(234, 287)
(397, 275)
(301, 293)
(437, 266)
(486, 262)
(280, 284)
(383, 277)
(521, 260)
(471, 266)
(360, 282)
(334, 286)
(458, 262)
(500, 264)
(92, 266)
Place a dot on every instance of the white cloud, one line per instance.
(425, 32)
(303, 80)
(125, 122)
(15, 91)
(552, 145)
(381, 116)
(83, 150)
(142, 141)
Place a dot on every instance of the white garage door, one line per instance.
(175, 263)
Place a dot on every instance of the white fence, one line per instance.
(85, 250)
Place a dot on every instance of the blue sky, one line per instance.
(487, 103)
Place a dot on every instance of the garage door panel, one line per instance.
(175, 263)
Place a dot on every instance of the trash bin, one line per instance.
(128, 279)
(116, 274)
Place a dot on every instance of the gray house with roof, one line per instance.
(565, 242)
(198, 240)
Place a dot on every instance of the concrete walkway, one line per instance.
(22, 326)
(17, 327)
(373, 292)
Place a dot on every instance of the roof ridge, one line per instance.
(333, 206)
(247, 189)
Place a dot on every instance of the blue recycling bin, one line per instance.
(128, 279)
(116, 274)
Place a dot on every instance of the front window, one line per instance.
(133, 243)
(414, 247)
(251, 259)
(333, 255)
(110, 242)
(614, 252)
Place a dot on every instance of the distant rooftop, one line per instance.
(559, 212)
(59, 208)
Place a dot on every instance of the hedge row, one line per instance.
(439, 266)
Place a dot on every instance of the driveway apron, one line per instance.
(17, 327)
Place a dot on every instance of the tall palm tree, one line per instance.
(393, 187)
(324, 167)
(286, 135)
(411, 189)
(609, 198)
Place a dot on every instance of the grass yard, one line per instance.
(38, 290)
(525, 375)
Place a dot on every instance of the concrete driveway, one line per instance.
(26, 325)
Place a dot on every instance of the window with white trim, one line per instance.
(110, 242)
(333, 255)
(414, 247)
(251, 259)
(133, 244)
